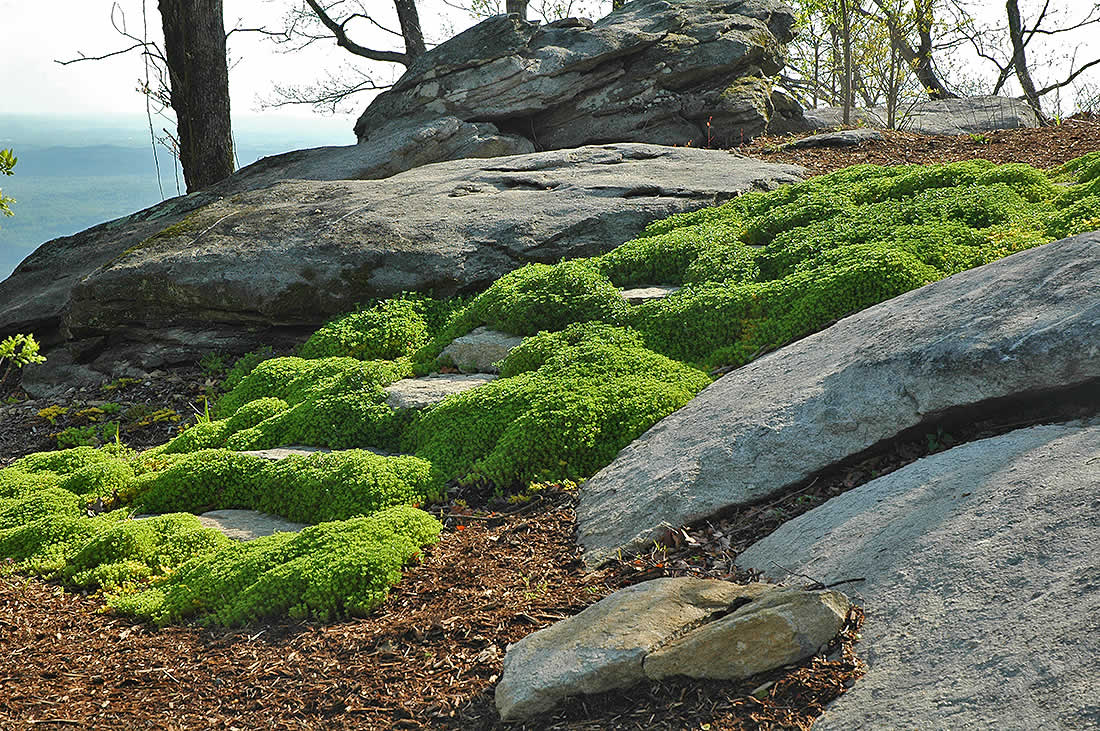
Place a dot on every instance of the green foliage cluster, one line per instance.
(7, 162)
(390, 330)
(306, 489)
(569, 401)
(336, 568)
(335, 402)
(17, 351)
(327, 570)
(592, 375)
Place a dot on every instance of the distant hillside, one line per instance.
(75, 173)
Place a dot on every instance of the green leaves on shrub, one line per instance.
(543, 297)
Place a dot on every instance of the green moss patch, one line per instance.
(571, 400)
(326, 571)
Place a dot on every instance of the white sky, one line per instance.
(36, 32)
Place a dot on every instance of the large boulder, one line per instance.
(961, 116)
(980, 581)
(230, 270)
(1024, 326)
(670, 72)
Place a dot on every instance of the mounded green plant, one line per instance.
(391, 329)
(17, 351)
(569, 402)
(327, 570)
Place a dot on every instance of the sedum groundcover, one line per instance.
(592, 374)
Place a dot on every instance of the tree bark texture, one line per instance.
(920, 58)
(409, 19)
(194, 47)
(516, 6)
(1019, 57)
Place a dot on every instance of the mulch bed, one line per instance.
(429, 657)
(1040, 147)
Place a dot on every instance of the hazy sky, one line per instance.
(38, 32)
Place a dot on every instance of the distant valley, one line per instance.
(74, 173)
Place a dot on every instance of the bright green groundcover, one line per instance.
(592, 374)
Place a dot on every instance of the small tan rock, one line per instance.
(420, 393)
(641, 295)
(604, 646)
(247, 525)
(781, 627)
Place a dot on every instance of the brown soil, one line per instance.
(1041, 147)
(430, 656)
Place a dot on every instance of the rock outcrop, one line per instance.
(665, 627)
(1026, 325)
(231, 271)
(965, 115)
(668, 72)
(981, 583)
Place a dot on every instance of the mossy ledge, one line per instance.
(592, 374)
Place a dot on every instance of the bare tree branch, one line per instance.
(104, 56)
(342, 40)
(1069, 79)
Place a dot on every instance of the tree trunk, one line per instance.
(194, 46)
(1019, 57)
(919, 59)
(846, 42)
(516, 6)
(409, 19)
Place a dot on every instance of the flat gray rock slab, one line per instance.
(277, 453)
(843, 138)
(648, 293)
(295, 450)
(219, 270)
(982, 584)
(650, 71)
(1026, 324)
(479, 350)
(420, 393)
(966, 115)
(247, 525)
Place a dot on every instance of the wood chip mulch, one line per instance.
(1040, 147)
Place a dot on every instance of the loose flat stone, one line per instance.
(297, 450)
(604, 647)
(981, 582)
(843, 138)
(780, 627)
(479, 350)
(641, 295)
(420, 393)
(274, 455)
(1025, 325)
(247, 525)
